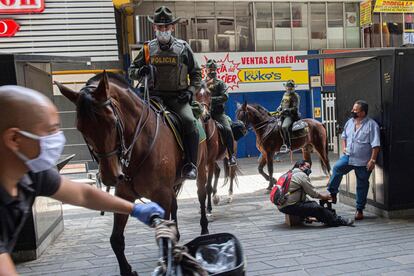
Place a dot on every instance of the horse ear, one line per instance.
(102, 91)
(244, 107)
(238, 105)
(67, 92)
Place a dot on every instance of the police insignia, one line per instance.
(159, 60)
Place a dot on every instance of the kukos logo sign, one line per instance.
(21, 6)
(258, 71)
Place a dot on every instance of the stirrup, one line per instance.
(189, 171)
(232, 161)
(284, 149)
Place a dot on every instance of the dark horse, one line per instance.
(216, 151)
(136, 150)
(269, 140)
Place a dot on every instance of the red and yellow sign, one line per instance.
(365, 13)
(329, 67)
(21, 6)
(394, 6)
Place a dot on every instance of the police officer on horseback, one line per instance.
(170, 63)
(288, 112)
(219, 97)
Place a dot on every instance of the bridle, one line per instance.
(122, 151)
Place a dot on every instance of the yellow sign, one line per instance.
(394, 6)
(317, 112)
(257, 75)
(365, 16)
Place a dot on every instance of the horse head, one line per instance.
(251, 114)
(203, 96)
(101, 122)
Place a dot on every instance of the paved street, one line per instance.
(376, 246)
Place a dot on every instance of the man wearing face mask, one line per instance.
(169, 63)
(288, 111)
(219, 97)
(297, 204)
(30, 145)
(361, 145)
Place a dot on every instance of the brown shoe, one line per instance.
(359, 215)
(334, 198)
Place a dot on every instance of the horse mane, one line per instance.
(261, 109)
(86, 104)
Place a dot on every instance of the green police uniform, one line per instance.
(219, 97)
(288, 111)
(173, 65)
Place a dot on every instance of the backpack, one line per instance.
(279, 193)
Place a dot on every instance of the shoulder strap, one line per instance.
(146, 53)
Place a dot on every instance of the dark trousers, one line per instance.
(311, 209)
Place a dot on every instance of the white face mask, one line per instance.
(163, 37)
(51, 147)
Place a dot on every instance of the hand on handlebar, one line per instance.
(146, 212)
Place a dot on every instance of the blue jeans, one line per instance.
(341, 168)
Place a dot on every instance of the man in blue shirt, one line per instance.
(361, 144)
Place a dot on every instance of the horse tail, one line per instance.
(227, 175)
(326, 166)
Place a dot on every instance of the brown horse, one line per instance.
(216, 151)
(269, 140)
(136, 150)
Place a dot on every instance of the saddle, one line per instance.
(174, 121)
(299, 128)
(238, 128)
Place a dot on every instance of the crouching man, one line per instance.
(296, 203)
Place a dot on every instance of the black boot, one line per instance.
(285, 148)
(189, 170)
(340, 221)
(230, 148)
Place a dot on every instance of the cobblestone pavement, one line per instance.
(375, 246)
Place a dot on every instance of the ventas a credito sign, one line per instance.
(21, 6)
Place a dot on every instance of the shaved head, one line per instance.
(22, 107)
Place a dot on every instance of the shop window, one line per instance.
(244, 26)
(185, 29)
(264, 37)
(408, 28)
(372, 34)
(335, 25)
(205, 35)
(392, 29)
(300, 26)
(225, 38)
(352, 33)
(282, 23)
(318, 26)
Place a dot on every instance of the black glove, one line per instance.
(144, 70)
(185, 97)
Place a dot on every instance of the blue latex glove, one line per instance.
(144, 212)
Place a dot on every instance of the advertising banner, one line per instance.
(21, 6)
(258, 71)
(365, 16)
(394, 6)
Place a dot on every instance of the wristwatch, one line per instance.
(373, 160)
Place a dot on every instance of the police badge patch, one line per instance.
(160, 60)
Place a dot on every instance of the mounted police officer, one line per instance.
(170, 63)
(219, 97)
(288, 111)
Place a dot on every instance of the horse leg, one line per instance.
(306, 153)
(209, 188)
(262, 163)
(174, 209)
(201, 192)
(216, 197)
(117, 237)
(232, 174)
(118, 244)
(270, 170)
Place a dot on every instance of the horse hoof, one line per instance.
(134, 273)
(216, 199)
(230, 199)
(204, 232)
(210, 217)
